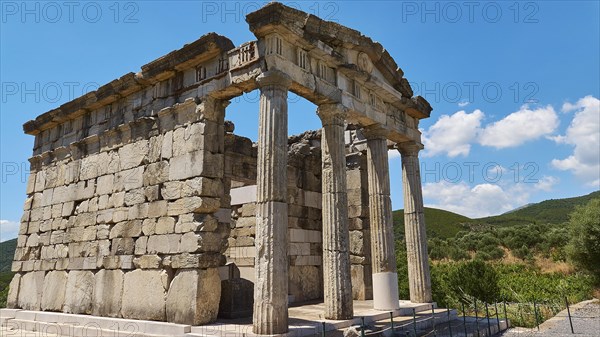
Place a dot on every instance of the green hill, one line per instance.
(7, 251)
(445, 224)
(554, 211)
(440, 223)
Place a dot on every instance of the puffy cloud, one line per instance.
(519, 127)
(483, 199)
(452, 135)
(584, 134)
(8, 230)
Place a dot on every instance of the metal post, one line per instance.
(415, 321)
(497, 317)
(433, 319)
(464, 318)
(323, 332)
(487, 316)
(449, 323)
(536, 315)
(362, 327)
(505, 314)
(476, 317)
(569, 313)
(392, 320)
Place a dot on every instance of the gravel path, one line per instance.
(586, 323)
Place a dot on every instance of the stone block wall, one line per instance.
(120, 215)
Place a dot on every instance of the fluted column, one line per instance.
(271, 265)
(419, 279)
(383, 255)
(337, 283)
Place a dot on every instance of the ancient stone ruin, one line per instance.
(143, 203)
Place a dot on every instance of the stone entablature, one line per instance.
(138, 191)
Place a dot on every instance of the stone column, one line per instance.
(419, 279)
(383, 257)
(271, 265)
(337, 280)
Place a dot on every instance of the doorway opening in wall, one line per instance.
(304, 202)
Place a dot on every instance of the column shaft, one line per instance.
(383, 255)
(337, 279)
(414, 226)
(271, 265)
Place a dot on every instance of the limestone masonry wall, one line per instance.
(121, 221)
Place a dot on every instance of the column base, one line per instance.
(385, 291)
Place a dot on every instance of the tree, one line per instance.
(584, 245)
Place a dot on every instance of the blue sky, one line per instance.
(514, 85)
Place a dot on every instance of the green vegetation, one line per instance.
(7, 251)
(584, 230)
(521, 257)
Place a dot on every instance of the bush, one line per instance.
(475, 279)
(523, 253)
(458, 254)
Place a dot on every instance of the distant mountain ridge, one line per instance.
(445, 224)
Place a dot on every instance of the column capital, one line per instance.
(274, 78)
(375, 132)
(409, 148)
(332, 113)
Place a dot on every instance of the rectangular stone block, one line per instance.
(108, 293)
(53, 297)
(193, 205)
(144, 294)
(30, 290)
(193, 297)
(194, 164)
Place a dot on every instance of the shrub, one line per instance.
(476, 279)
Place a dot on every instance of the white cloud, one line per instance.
(483, 199)
(463, 104)
(519, 127)
(584, 134)
(8, 230)
(453, 134)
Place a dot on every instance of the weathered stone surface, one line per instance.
(133, 154)
(147, 262)
(30, 290)
(305, 283)
(271, 287)
(144, 294)
(416, 236)
(194, 164)
(336, 256)
(204, 242)
(193, 205)
(126, 229)
(12, 300)
(79, 292)
(163, 244)
(165, 225)
(53, 297)
(108, 292)
(194, 296)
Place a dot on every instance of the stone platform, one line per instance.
(305, 320)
